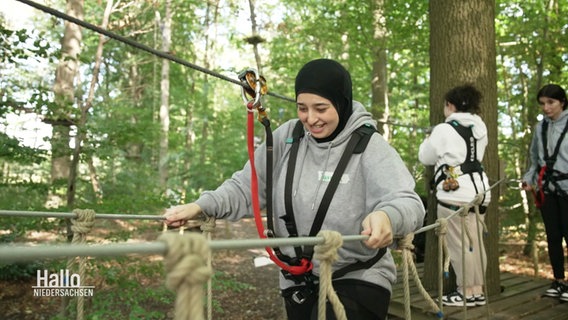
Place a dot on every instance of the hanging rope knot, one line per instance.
(80, 226)
(83, 222)
(327, 251)
(405, 243)
(187, 271)
(409, 266)
(478, 199)
(442, 228)
(465, 210)
(208, 224)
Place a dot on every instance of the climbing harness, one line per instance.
(547, 174)
(296, 268)
(448, 174)
(357, 144)
(252, 89)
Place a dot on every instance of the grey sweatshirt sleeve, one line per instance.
(232, 200)
(531, 175)
(390, 187)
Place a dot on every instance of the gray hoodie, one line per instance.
(537, 152)
(375, 180)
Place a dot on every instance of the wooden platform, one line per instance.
(521, 299)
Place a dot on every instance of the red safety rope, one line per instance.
(539, 197)
(305, 264)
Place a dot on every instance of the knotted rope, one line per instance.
(207, 227)
(465, 232)
(187, 272)
(406, 245)
(81, 225)
(326, 253)
(443, 256)
(442, 231)
(480, 240)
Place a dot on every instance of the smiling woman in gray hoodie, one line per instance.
(375, 195)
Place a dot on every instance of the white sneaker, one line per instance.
(455, 299)
(556, 289)
(480, 299)
(564, 296)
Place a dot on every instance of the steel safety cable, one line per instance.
(138, 45)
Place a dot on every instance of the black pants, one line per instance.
(555, 217)
(361, 300)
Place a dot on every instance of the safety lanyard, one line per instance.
(253, 87)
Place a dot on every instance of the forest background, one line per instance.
(127, 131)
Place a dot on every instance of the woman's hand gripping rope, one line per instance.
(178, 216)
(377, 226)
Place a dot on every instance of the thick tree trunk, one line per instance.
(64, 91)
(462, 50)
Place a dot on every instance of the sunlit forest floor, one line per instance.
(240, 290)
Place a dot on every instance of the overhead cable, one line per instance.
(138, 45)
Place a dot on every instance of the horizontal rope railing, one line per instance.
(471, 203)
(21, 253)
(47, 214)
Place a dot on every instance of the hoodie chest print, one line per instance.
(325, 176)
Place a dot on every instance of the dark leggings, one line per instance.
(555, 217)
(361, 301)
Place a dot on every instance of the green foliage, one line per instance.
(26, 196)
(207, 120)
(135, 299)
(12, 150)
(18, 271)
(222, 282)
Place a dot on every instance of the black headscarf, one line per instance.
(328, 79)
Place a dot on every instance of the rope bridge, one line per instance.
(187, 257)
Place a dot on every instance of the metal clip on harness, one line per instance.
(253, 87)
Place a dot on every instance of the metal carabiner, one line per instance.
(253, 86)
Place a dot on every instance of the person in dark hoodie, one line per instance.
(375, 195)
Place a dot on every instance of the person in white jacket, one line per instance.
(455, 148)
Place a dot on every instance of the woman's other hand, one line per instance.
(178, 216)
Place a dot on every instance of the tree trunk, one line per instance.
(80, 138)
(165, 97)
(64, 91)
(379, 87)
(255, 39)
(462, 50)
